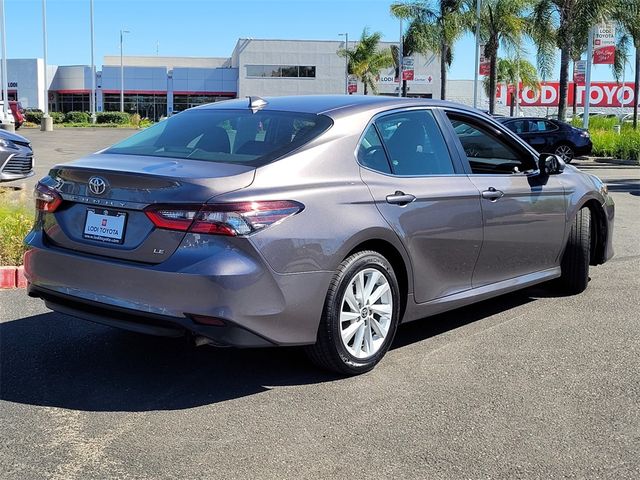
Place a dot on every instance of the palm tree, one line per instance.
(367, 59)
(512, 72)
(627, 14)
(432, 29)
(572, 20)
(502, 23)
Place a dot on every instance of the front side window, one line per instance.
(486, 150)
(231, 136)
(415, 144)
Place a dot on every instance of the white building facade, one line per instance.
(159, 86)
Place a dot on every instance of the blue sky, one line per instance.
(201, 27)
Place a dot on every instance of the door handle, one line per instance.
(400, 198)
(492, 194)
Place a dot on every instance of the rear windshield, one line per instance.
(230, 136)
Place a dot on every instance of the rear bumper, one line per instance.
(583, 149)
(221, 278)
(148, 323)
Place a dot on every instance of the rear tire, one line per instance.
(360, 316)
(576, 258)
(565, 151)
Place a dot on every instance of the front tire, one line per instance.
(360, 316)
(577, 254)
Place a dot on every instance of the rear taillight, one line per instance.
(47, 199)
(233, 219)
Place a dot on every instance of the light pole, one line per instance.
(122, 32)
(475, 75)
(346, 62)
(587, 86)
(3, 77)
(46, 124)
(92, 99)
(400, 61)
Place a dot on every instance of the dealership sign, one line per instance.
(388, 77)
(579, 69)
(352, 85)
(602, 94)
(407, 68)
(485, 62)
(604, 43)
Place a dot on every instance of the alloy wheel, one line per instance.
(565, 152)
(366, 312)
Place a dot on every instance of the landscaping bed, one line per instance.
(608, 143)
(16, 219)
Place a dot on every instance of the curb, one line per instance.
(12, 277)
(610, 161)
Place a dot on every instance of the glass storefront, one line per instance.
(72, 102)
(147, 106)
(182, 102)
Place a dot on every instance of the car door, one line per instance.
(523, 212)
(543, 135)
(425, 197)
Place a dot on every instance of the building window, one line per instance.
(281, 71)
(182, 102)
(72, 102)
(147, 106)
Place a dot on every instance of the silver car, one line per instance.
(16, 157)
(323, 221)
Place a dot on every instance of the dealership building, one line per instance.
(156, 86)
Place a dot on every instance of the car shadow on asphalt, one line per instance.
(59, 361)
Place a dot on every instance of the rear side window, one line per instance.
(230, 136)
(371, 152)
(541, 126)
(415, 144)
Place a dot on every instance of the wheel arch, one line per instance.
(398, 262)
(599, 232)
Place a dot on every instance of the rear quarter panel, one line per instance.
(339, 211)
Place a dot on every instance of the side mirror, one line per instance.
(550, 164)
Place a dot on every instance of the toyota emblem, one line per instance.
(97, 185)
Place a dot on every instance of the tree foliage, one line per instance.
(367, 59)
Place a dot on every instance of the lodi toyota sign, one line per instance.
(603, 94)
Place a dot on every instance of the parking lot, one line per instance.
(528, 385)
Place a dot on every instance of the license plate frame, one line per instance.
(109, 219)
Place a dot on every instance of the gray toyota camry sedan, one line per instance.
(323, 221)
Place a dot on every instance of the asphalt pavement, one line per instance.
(528, 385)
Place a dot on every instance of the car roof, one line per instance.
(335, 104)
(507, 119)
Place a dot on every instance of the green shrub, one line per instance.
(33, 116)
(76, 117)
(58, 117)
(16, 219)
(607, 143)
(120, 118)
(135, 119)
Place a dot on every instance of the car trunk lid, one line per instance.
(105, 195)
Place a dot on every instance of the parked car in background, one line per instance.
(323, 221)
(16, 157)
(18, 113)
(554, 116)
(551, 136)
(5, 118)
